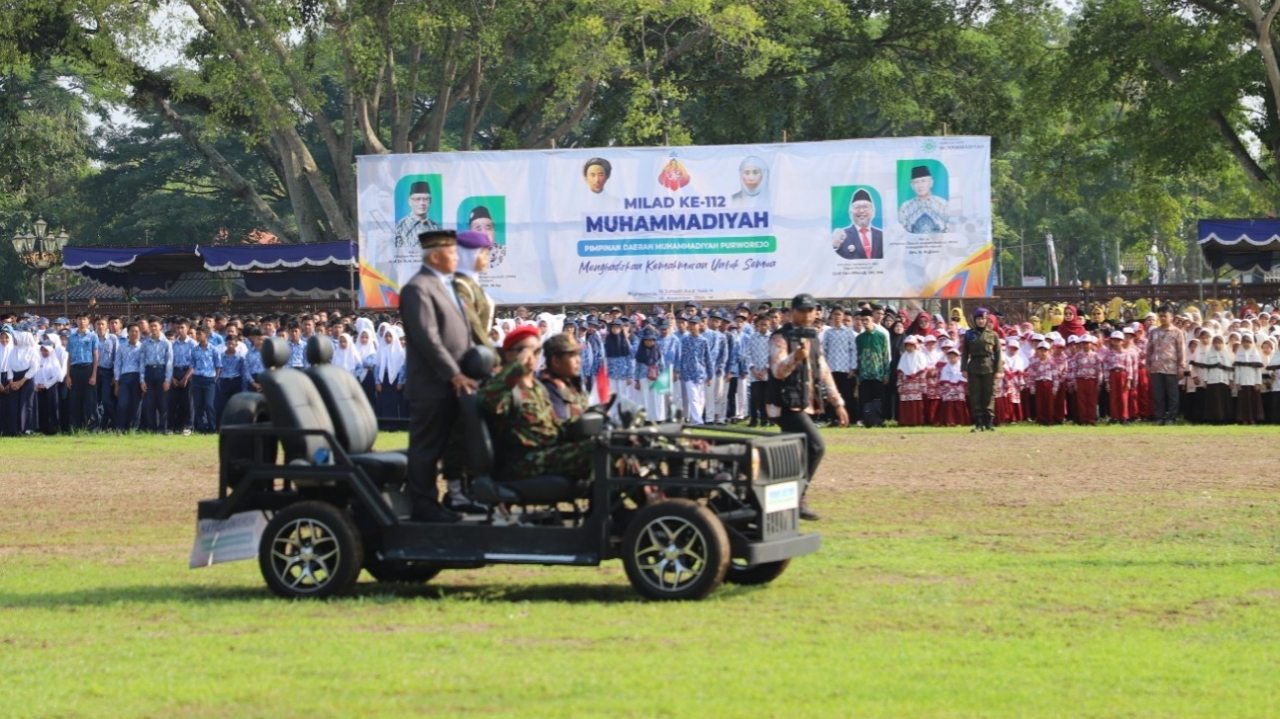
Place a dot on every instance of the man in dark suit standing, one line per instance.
(860, 241)
(437, 335)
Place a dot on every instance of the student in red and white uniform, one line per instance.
(913, 367)
(1009, 400)
(1043, 379)
(1075, 346)
(1088, 378)
(1060, 359)
(936, 359)
(954, 410)
(1121, 378)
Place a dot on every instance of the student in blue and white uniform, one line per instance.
(649, 366)
(157, 363)
(106, 401)
(618, 360)
(206, 361)
(232, 377)
(128, 380)
(695, 371)
(180, 400)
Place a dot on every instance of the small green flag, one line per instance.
(662, 385)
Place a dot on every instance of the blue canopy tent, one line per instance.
(1244, 245)
(131, 268)
(261, 270)
(281, 270)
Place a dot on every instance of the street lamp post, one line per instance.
(40, 250)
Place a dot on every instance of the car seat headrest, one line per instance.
(478, 363)
(319, 349)
(275, 352)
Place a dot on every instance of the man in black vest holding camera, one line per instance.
(800, 381)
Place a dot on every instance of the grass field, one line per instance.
(1034, 572)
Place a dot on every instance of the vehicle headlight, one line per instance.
(755, 463)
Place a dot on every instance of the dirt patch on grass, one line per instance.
(1024, 466)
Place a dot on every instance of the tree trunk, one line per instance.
(281, 121)
(299, 197)
(236, 183)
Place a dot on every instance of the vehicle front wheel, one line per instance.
(310, 549)
(759, 574)
(675, 549)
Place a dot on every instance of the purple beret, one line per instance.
(473, 240)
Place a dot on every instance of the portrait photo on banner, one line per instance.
(418, 201)
(857, 222)
(753, 184)
(487, 214)
(923, 191)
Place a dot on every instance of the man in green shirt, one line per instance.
(874, 361)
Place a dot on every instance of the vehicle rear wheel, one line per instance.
(675, 549)
(740, 573)
(310, 549)
(400, 572)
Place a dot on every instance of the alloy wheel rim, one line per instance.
(671, 553)
(304, 555)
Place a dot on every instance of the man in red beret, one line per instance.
(532, 439)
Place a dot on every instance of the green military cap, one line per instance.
(561, 344)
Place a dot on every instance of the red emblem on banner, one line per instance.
(673, 175)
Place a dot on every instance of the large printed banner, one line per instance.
(904, 217)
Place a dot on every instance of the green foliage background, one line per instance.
(1115, 125)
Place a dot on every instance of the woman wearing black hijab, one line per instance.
(897, 333)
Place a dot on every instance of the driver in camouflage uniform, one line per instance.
(562, 377)
(531, 438)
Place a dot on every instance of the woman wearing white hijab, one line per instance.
(366, 350)
(1247, 381)
(390, 361)
(46, 376)
(364, 324)
(344, 355)
(22, 392)
(6, 352)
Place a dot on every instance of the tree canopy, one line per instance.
(1114, 126)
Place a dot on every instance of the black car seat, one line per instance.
(354, 423)
(489, 483)
(294, 404)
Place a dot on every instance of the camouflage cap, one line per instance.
(560, 344)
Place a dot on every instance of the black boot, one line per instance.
(991, 423)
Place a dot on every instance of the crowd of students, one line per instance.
(709, 364)
(1163, 368)
(173, 374)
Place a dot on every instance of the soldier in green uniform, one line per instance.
(532, 441)
(562, 377)
(980, 361)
